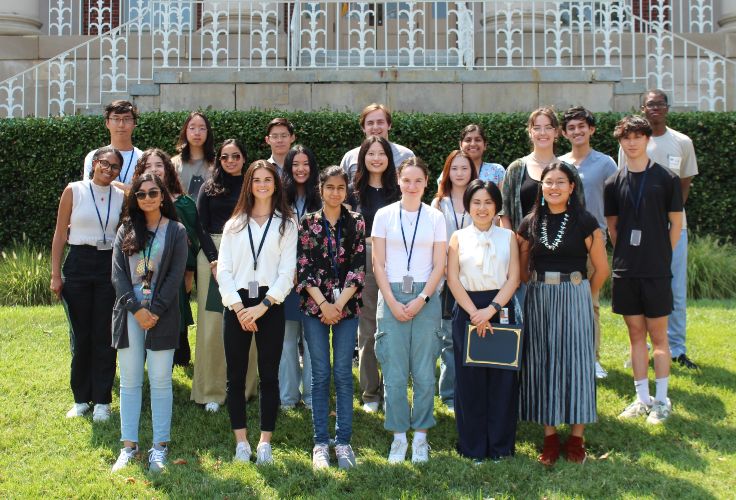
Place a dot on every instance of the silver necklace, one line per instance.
(542, 163)
(558, 239)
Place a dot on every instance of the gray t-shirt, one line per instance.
(349, 162)
(137, 261)
(595, 169)
(193, 174)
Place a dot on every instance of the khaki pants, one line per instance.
(371, 384)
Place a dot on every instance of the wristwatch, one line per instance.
(266, 302)
(424, 297)
(496, 306)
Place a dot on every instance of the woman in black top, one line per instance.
(375, 185)
(215, 205)
(558, 366)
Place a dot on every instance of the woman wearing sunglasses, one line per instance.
(149, 260)
(215, 204)
(89, 212)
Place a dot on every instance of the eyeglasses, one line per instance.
(233, 157)
(121, 121)
(656, 105)
(554, 184)
(539, 130)
(197, 129)
(108, 166)
(279, 137)
(151, 193)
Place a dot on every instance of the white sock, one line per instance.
(419, 438)
(642, 391)
(661, 389)
(400, 436)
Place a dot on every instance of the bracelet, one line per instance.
(320, 304)
(240, 310)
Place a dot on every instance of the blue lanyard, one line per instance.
(409, 251)
(123, 175)
(99, 217)
(149, 248)
(260, 246)
(333, 258)
(637, 201)
(454, 214)
(299, 215)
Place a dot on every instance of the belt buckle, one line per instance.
(552, 278)
(576, 277)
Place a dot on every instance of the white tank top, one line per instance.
(85, 224)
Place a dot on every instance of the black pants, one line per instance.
(270, 342)
(486, 399)
(89, 297)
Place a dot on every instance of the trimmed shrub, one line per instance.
(38, 157)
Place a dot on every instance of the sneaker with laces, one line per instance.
(264, 454)
(77, 410)
(126, 455)
(685, 362)
(212, 407)
(157, 458)
(370, 407)
(345, 456)
(320, 457)
(635, 409)
(660, 412)
(600, 372)
(242, 452)
(419, 452)
(101, 413)
(397, 454)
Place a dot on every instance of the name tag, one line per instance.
(336, 292)
(635, 239)
(104, 245)
(407, 284)
(253, 289)
(675, 162)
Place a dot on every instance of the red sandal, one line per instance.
(550, 450)
(575, 450)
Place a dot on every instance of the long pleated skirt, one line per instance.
(558, 367)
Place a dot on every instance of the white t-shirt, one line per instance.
(130, 158)
(430, 228)
(484, 257)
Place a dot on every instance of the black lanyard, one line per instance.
(333, 258)
(99, 217)
(636, 202)
(409, 251)
(454, 214)
(149, 248)
(260, 246)
(123, 175)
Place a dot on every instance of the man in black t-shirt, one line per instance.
(643, 208)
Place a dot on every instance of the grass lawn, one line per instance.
(43, 454)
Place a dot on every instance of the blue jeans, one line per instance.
(408, 349)
(131, 361)
(677, 321)
(343, 344)
(447, 364)
(291, 375)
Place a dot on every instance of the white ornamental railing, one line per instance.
(194, 35)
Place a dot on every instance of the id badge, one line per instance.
(675, 162)
(635, 240)
(504, 319)
(407, 284)
(253, 289)
(336, 294)
(104, 245)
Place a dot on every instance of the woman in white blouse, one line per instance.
(255, 272)
(409, 243)
(483, 273)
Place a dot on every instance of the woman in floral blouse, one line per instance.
(330, 275)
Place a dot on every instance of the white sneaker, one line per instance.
(371, 407)
(212, 407)
(398, 451)
(126, 455)
(157, 458)
(420, 452)
(264, 454)
(660, 412)
(101, 413)
(242, 452)
(345, 456)
(600, 372)
(77, 410)
(320, 457)
(635, 409)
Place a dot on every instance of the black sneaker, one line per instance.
(686, 362)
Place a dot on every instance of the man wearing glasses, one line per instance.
(673, 150)
(279, 136)
(120, 119)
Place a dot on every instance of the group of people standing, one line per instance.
(295, 265)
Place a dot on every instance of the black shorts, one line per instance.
(651, 297)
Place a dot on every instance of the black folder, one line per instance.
(500, 349)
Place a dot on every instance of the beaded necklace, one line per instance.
(558, 239)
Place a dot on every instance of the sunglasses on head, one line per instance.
(151, 193)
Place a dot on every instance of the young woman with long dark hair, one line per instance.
(196, 159)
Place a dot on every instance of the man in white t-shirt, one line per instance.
(120, 120)
(375, 119)
(673, 150)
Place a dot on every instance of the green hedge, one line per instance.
(39, 156)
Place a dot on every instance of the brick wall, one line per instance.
(89, 17)
(643, 9)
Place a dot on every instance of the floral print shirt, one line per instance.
(314, 266)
